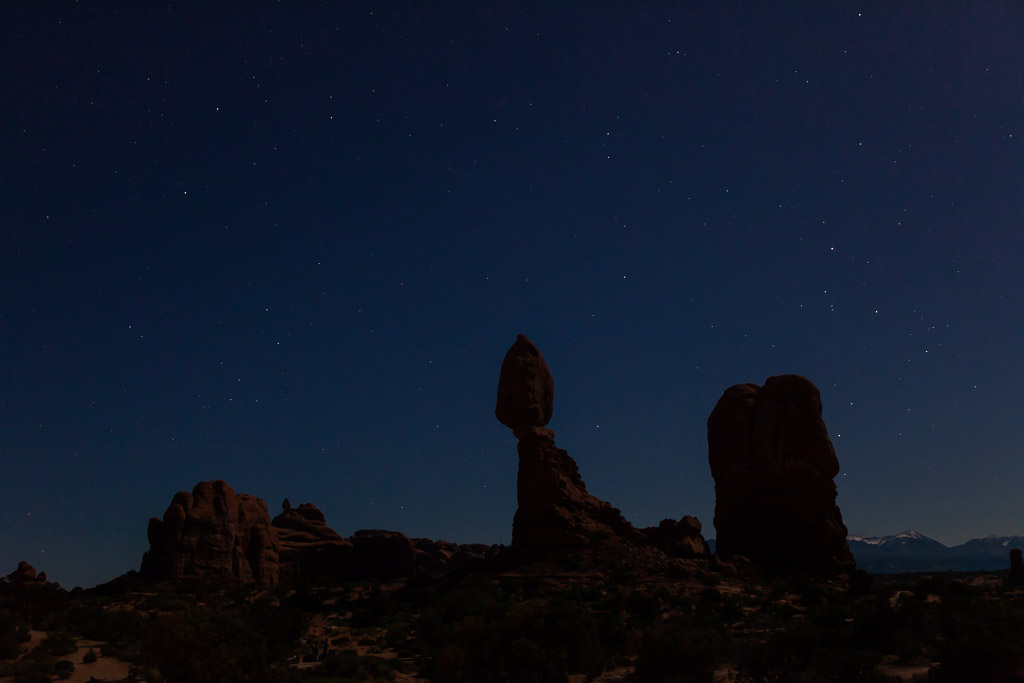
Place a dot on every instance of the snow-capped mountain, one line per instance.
(912, 551)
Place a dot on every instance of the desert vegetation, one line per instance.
(538, 622)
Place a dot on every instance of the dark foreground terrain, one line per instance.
(598, 616)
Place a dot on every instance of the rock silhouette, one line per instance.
(308, 547)
(218, 535)
(25, 574)
(526, 389)
(678, 539)
(212, 533)
(555, 510)
(556, 513)
(773, 465)
(1016, 575)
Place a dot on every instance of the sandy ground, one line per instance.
(104, 668)
(905, 673)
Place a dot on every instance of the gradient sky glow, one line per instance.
(290, 247)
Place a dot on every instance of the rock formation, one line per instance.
(26, 574)
(1016, 575)
(308, 547)
(526, 389)
(212, 533)
(215, 534)
(555, 510)
(774, 465)
(678, 539)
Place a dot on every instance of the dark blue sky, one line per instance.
(288, 247)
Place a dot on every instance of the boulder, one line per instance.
(773, 465)
(679, 539)
(526, 389)
(214, 534)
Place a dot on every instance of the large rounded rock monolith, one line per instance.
(774, 464)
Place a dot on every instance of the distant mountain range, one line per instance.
(912, 551)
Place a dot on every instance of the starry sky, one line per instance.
(289, 245)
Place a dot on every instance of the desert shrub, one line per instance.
(452, 665)
(860, 583)
(307, 598)
(643, 607)
(37, 665)
(29, 674)
(58, 643)
(980, 640)
(811, 594)
(349, 665)
(782, 656)
(89, 657)
(200, 645)
(612, 634)
(363, 618)
(715, 608)
(874, 625)
(64, 668)
(120, 629)
(842, 665)
(12, 635)
(541, 639)
(679, 652)
(930, 585)
(398, 635)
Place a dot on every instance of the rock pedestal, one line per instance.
(774, 465)
(555, 510)
(556, 513)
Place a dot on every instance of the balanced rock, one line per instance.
(555, 510)
(773, 465)
(214, 534)
(308, 547)
(526, 389)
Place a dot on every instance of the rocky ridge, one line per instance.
(768, 449)
(217, 535)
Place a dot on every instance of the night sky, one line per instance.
(289, 247)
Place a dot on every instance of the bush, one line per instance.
(89, 657)
(59, 643)
(541, 639)
(679, 652)
(350, 665)
(64, 668)
(860, 583)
